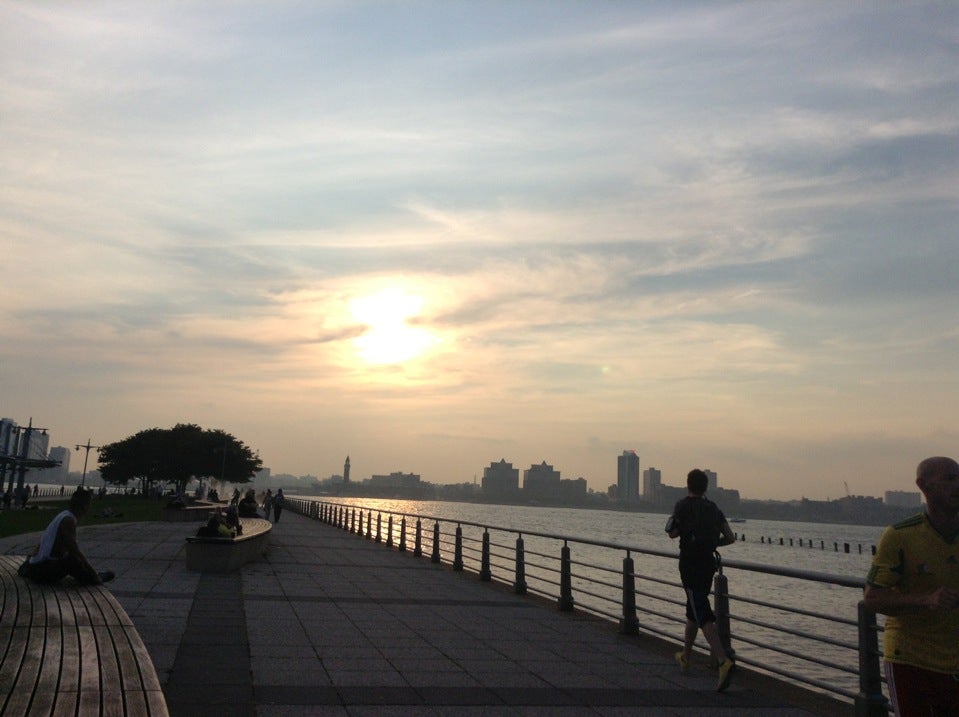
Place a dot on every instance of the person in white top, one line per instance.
(58, 553)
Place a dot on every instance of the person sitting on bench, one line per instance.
(58, 554)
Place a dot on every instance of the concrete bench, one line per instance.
(190, 514)
(71, 650)
(224, 555)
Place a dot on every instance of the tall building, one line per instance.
(652, 480)
(57, 474)
(541, 481)
(713, 483)
(627, 477)
(500, 478)
(346, 471)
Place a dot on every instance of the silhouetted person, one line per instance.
(278, 502)
(58, 553)
(701, 528)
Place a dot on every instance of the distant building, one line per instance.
(652, 481)
(627, 477)
(57, 474)
(713, 480)
(541, 481)
(572, 491)
(903, 498)
(346, 471)
(395, 480)
(500, 479)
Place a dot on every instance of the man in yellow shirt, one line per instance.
(914, 580)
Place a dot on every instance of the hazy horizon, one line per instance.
(432, 235)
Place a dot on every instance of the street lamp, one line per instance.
(86, 455)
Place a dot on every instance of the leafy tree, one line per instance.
(176, 455)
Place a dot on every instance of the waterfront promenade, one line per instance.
(333, 624)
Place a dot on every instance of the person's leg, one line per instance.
(83, 574)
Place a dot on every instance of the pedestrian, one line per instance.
(701, 528)
(268, 503)
(58, 553)
(278, 502)
(914, 581)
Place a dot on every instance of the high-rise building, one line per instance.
(541, 480)
(652, 480)
(713, 479)
(57, 474)
(627, 477)
(346, 471)
(500, 478)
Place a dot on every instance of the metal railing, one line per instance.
(835, 654)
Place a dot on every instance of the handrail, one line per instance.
(580, 585)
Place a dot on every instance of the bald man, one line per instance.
(914, 580)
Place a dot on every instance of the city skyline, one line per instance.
(430, 235)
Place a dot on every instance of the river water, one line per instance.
(659, 598)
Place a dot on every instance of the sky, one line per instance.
(434, 235)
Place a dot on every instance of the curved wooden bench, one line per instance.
(70, 650)
(224, 555)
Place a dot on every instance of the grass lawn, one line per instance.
(118, 508)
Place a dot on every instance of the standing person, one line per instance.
(278, 502)
(701, 527)
(914, 580)
(58, 554)
(268, 504)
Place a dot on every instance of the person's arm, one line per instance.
(727, 536)
(887, 601)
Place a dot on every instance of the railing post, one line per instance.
(519, 583)
(630, 623)
(870, 701)
(435, 557)
(565, 580)
(369, 524)
(347, 518)
(360, 530)
(389, 532)
(458, 550)
(352, 520)
(721, 591)
(379, 527)
(485, 575)
(418, 544)
(402, 546)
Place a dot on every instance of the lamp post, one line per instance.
(86, 455)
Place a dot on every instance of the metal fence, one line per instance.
(826, 650)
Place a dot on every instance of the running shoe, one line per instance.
(682, 661)
(726, 668)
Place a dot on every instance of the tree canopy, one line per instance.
(176, 455)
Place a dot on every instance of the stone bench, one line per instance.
(190, 514)
(71, 650)
(224, 555)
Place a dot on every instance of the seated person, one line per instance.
(247, 506)
(58, 554)
(215, 527)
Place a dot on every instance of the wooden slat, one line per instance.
(67, 650)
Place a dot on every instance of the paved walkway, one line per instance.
(334, 624)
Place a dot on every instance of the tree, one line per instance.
(176, 455)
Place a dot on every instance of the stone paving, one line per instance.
(331, 623)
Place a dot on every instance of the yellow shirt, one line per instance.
(913, 558)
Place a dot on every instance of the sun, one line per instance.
(389, 337)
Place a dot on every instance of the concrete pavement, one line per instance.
(333, 624)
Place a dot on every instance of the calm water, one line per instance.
(644, 531)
